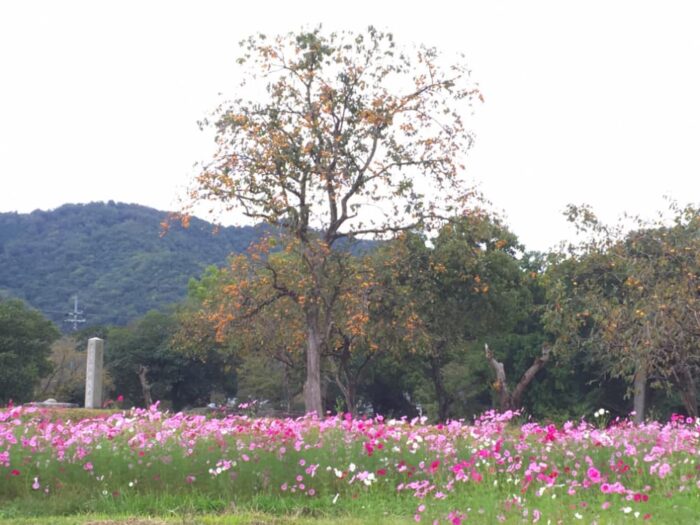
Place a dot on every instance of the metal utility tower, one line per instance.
(76, 316)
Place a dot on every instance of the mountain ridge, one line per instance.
(112, 255)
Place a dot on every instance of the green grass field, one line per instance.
(150, 467)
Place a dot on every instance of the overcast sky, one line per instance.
(595, 101)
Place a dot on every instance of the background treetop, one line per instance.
(353, 135)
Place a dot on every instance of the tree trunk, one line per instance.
(287, 392)
(440, 392)
(347, 387)
(312, 388)
(145, 385)
(516, 399)
(500, 385)
(348, 392)
(346, 379)
(640, 392)
(689, 394)
(508, 400)
(351, 398)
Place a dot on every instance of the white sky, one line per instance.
(595, 101)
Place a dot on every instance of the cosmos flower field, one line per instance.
(499, 468)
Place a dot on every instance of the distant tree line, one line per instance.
(612, 322)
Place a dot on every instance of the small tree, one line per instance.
(25, 346)
(631, 300)
(351, 133)
(464, 285)
(242, 303)
(145, 364)
(66, 382)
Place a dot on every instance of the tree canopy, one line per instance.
(25, 346)
(632, 301)
(145, 365)
(354, 136)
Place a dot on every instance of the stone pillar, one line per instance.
(93, 373)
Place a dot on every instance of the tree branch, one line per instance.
(529, 375)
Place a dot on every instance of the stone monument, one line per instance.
(93, 373)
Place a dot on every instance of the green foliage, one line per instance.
(630, 300)
(111, 254)
(464, 285)
(262, 377)
(66, 382)
(25, 346)
(175, 378)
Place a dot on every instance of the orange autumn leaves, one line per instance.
(260, 301)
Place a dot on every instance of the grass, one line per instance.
(244, 518)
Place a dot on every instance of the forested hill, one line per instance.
(111, 254)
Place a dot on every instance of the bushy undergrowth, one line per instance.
(490, 471)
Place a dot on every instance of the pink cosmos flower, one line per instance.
(664, 470)
(594, 475)
(455, 518)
